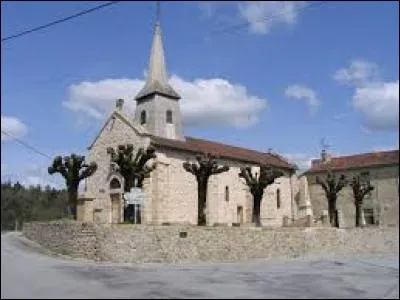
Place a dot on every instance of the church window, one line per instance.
(143, 117)
(169, 116)
(278, 198)
(369, 216)
(115, 184)
(227, 193)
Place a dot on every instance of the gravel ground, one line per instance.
(27, 271)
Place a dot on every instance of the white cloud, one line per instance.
(301, 160)
(300, 92)
(36, 174)
(383, 149)
(378, 101)
(358, 73)
(205, 102)
(379, 104)
(262, 15)
(13, 126)
(98, 98)
(32, 175)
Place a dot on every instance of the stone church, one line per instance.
(171, 192)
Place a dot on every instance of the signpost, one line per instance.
(135, 197)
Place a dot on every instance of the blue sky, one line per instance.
(323, 70)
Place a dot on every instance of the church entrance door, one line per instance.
(133, 213)
(116, 208)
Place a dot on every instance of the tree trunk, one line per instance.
(16, 224)
(72, 200)
(129, 183)
(332, 212)
(201, 203)
(256, 218)
(358, 214)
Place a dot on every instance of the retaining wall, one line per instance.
(139, 243)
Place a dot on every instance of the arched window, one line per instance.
(278, 198)
(227, 193)
(115, 184)
(143, 117)
(169, 116)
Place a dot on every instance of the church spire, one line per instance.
(157, 79)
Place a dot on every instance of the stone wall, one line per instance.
(66, 237)
(383, 200)
(135, 244)
(175, 194)
(116, 131)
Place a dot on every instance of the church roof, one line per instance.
(363, 160)
(157, 79)
(223, 151)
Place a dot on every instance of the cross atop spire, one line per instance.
(157, 80)
(158, 12)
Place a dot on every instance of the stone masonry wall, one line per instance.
(175, 193)
(384, 199)
(70, 238)
(114, 133)
(137, 244)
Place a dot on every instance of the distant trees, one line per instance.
(74, 169)
(361, 187)
(133, 169)
(205, 167)
(332, 187)
(257, 185)
(21, 204)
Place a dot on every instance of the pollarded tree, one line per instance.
(74, 169)
(205, 167)
(133, 169)
(257, 185)
(360, 189)
(332, 187)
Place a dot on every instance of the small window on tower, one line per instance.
(278, 198)
(143, 117)
(226, 193)
(169, 116)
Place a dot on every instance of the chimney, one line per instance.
(325, 156)
(119, 103)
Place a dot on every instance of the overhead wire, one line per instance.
(26, 145)
(234, 28)
(32, 148)
(81, 13)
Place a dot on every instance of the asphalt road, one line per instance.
(26, 272)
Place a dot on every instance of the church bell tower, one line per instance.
(157, 103)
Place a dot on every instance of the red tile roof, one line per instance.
(223, 151)
(363, 160)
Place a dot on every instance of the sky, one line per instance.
(261, 75)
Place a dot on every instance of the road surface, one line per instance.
(26, 272)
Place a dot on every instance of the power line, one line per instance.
(26, 144)
(84, 12)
